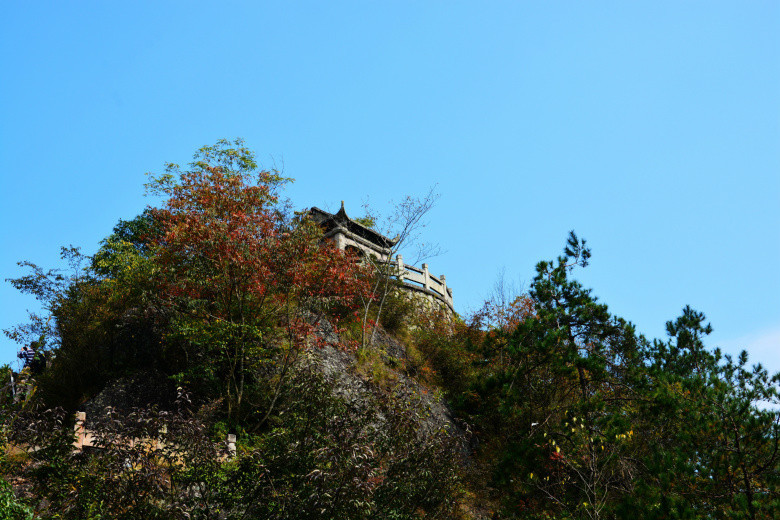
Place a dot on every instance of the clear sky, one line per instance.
(650, 128)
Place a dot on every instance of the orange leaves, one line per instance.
(556, 456)
(228, 251)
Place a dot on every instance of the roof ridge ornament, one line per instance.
(342, 213)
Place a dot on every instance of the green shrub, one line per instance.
(10, 507)
(397, 311)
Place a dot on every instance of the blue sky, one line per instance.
(651, 128)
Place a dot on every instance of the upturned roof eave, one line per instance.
(342, 220)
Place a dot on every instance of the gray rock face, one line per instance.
(154, 389)
(142, 390)
(340, 368)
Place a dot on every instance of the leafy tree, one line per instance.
(245, 285)
(404, 224)
(553, 396)
(712, 428)
(99, 319)
(582, 418)
(588, 360)
(130, 241)
(50, 288)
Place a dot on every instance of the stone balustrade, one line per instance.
(421, 280)
(349, 235)
(85, 438)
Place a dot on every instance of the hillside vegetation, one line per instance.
(222, 312)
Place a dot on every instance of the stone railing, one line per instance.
(85, 438)
(421, 280)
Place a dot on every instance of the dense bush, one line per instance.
(323, 457)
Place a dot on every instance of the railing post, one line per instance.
(400, 261)
(231, 445)
(79, 430)
(443, 286)
(426, 277)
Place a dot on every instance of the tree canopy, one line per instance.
(235, 316)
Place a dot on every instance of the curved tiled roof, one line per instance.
(341, 220)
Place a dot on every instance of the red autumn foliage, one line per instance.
(225, 244)
(245, 282)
